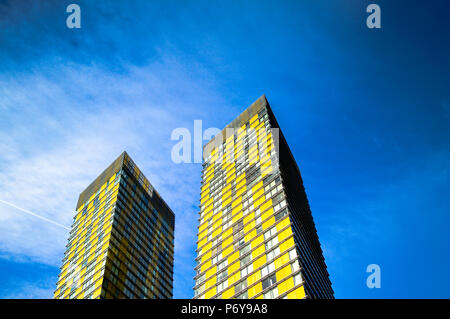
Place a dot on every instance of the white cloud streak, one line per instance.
(33, 214)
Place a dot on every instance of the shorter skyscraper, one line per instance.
(122, 239)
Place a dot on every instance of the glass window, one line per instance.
(241, 286)
(295, 266)
(297, 279)
(292, 254)
(222, 275)
(245, 249)
(281, 214)
(243, 295)
(269, 281)
(246, 271)
(271, 294)
(246, 259)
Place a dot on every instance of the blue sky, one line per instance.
(366, 113)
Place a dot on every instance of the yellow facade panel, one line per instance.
(286, 285)
(205, 248)
(227, 232)
(217, 232)
(227, 294)
(267, 224)
(257, 186)
(280, 261)
(267, 213)
(202, 242)
(250, 236)
(257, 241)
(253, 278)
(283, 223)
(285, 234)
(256, 289)
(233, 278)
(211, 282)
(237, 217)
(259, 262)
(234, 267)
(283, 272)
(202, 227)
(227, 242)
(227, 251)
(249, 217)
(287, 244)
(205, 266)
(233, 257)
(210, 293)
(298, 293)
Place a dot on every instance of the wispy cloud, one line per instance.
(32, 291)
(72, 101)
(60, 130)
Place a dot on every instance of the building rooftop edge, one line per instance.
(113, 168)
(250, 111)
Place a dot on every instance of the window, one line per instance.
(269, 233)
(240, 243)
(271, 294)
(222, 265)
(216, 250)
(217, 258)
(245, 249)
(246, 271)
(238, 226)
(271, 243)
(292, 254)
(246, 259)
(259, 230)
(277, 198)
(297, 279)
(271, 280)
(241, 286)
(222, 286)
(280, 205)
(243, 295)
(222, 275)
(272, 254)
(295, 266)
(198, 291)
(281, 214)
(267, 269)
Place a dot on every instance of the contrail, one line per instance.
(33, 214)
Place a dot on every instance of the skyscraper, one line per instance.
(256, 235)
(122, 239)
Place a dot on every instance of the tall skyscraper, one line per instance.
(122, 239)
(256, 235)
